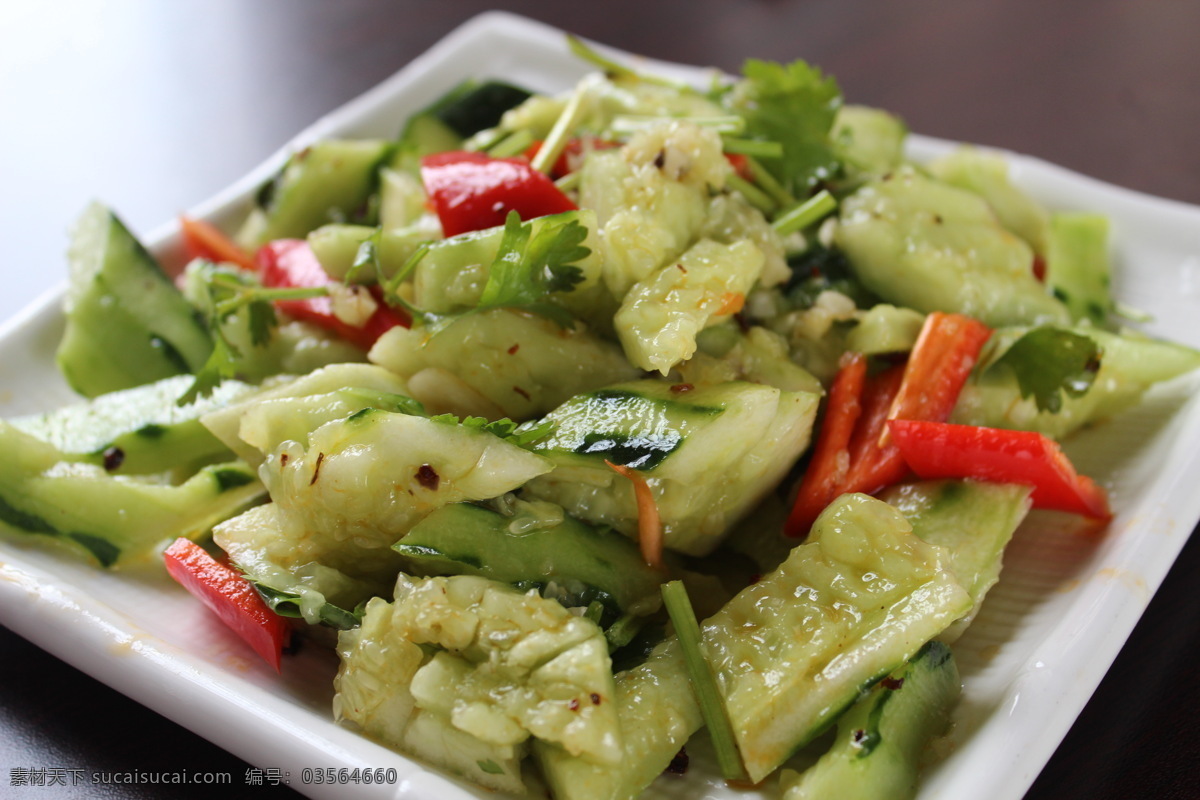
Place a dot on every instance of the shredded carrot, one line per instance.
(650, 536)
(731, 303)
(831, 458)
(204, 240)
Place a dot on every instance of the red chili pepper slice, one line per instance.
(861, 457)
(290, 263)
(228, 594)
(472, 191)
(830, 461)
(941, 450)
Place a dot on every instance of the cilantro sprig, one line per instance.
(528, 266)
(794, 105)
(1050, 362)
(228, 292)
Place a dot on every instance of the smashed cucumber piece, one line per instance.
(930, 246)
(985, 173)
(501, 363)
(337, 247)
(657, 712)
(112, 518)
(482, 659)
(868, 141)
(852, 604)
(137, 431)
(972, 522)
(1078, 270)
(727, 353)
(375, 474)
(353, 489)
(126, 323)
(311, 571)
(328, 181)
(880, 739)
(1129, 365)
(651, 197)
(337, 384)
(790, 652)
(708, 454)
(661, 315)
(372, 696)
(451, 276)
(267, 425)
(372, 476)
(533, 547)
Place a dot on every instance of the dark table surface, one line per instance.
(156, 105)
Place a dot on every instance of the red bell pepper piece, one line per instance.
(472, 191)
(940, 363)
(230, 596)
(875, 466)
(926, 387)
(204, 240)
(941, 450)
(831, 457)
(290, 263)
(942, 359)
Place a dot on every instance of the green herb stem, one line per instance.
(712, 708)
(766, 181)
(255, 295)
(560, 134)
(810, 211)
(754, 195)
(512, 145)
(568, 182)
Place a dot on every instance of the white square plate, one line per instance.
(1065, 604)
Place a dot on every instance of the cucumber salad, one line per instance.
(577, 424)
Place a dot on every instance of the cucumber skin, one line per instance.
(330, 181)
(463, 539)
(879, 741)
(143, 425)
(127, 324)
(113, 519)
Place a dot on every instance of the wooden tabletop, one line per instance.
(154, 106)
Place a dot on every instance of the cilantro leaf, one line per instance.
(521, 435)
(793, 104)
(528, 267)
(288, 604)
(1049, 362)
